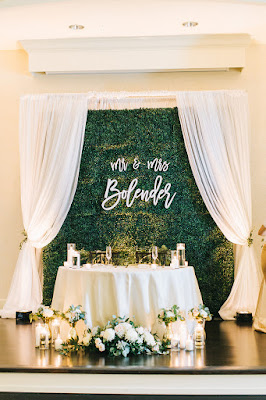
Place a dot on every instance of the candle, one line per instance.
(37, 335)
(189, 344)
(55, 329)
(58, 343)
(183, 339)
(183, 334)
(180, 249)
(175, 340)
(47, 337)
(44, 338)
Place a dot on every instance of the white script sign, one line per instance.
(113, 195)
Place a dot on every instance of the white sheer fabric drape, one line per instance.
(51, 139)
(215, 128)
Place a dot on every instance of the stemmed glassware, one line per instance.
(154, 254)
(108, 254)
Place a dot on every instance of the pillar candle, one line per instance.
(37, 335)
(58, 343)
(189, 344)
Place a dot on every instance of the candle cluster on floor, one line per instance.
(122, 336)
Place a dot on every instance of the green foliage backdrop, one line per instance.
(146, 134)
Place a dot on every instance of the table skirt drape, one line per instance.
(131, 292)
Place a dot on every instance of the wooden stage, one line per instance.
(232, 366)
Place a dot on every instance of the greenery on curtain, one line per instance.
(142, 134)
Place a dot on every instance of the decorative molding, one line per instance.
(137, 54)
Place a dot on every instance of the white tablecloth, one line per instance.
(120, 291)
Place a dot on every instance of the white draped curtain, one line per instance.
(51, 139)
(215, 129)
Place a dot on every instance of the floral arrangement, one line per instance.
(45, 313)
(73, 315)
(200, 313)
(168, 315)
(119, 337)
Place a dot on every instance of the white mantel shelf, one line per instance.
(137, 54)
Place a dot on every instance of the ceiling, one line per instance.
(47, 19)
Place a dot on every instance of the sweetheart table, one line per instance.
(135, 292)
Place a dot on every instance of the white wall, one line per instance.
(16, 81)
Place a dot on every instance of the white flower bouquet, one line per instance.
(73, 315)
(168, 315)
(45, 313)
(200, 313)
(121, 337)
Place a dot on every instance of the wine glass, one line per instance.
(108, 253)
(154, 254)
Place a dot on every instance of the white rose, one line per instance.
(149, 339)
(86, 339)
(98, 342)
(195, 313)
(109, 334)
(204, 314)
(140, 330)
(170, 314)
(102, 333)
(121, 329)
(101, 347)
(131, 335)
(48, 313)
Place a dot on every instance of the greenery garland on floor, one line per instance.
(142, 134)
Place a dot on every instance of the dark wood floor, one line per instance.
(230, 349)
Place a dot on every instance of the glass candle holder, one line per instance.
(70, 247)
(38, 329)
(44, 338)
(55, 329)
(199, 335)
(180, 250)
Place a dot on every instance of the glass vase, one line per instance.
(168, 335)
(49, 333)
(72, 334)
(199, 334)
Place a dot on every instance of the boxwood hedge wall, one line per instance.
(143, 134)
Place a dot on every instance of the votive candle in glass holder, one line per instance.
(175, 342)
(44, 338)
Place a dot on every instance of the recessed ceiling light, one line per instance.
(76, 27)
(190, 24)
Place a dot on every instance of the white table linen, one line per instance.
(134, 292)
